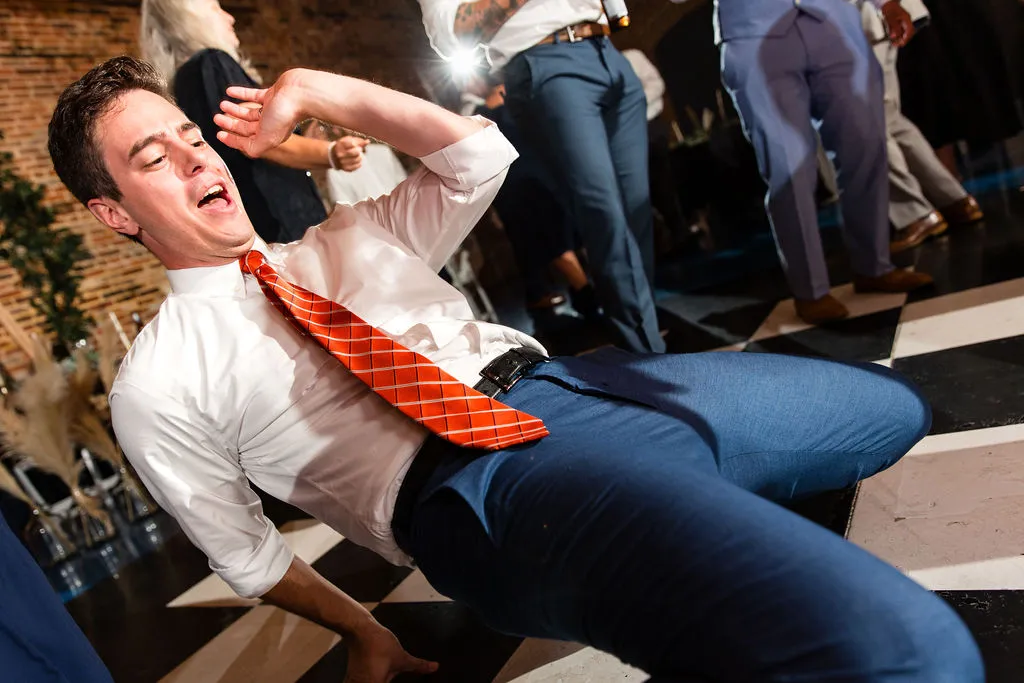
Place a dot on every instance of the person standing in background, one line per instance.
(794, 67)
(918, 181)
(581, 109)
(194, 46)
(664, 197)
(539, 230)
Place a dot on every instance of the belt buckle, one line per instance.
(573, 38)
(506, 369)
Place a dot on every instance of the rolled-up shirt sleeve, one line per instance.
(434, 209)
(439, 21)
(199, 482)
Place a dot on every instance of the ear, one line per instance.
(113, 215)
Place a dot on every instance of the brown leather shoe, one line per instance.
(931, 225)
(964, 211)
(823, 310)
(895, 281)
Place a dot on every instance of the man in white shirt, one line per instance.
(581, 109)
(640, 524)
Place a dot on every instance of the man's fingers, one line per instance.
(242, 144)
(239, 92)
(237, 126)
(249, 111)
(419, 666)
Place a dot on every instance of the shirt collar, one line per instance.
(225, 279)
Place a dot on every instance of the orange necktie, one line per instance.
(407, 380)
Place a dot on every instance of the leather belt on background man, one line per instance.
(498, 376)
(577, 32)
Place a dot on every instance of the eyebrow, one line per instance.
(150, 139)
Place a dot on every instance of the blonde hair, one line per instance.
(174, 30)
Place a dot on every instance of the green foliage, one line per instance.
(44, 256)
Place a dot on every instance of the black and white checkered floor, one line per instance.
(950, 514)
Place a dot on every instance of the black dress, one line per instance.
(281, 202)
(960, 75)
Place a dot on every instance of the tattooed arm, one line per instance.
(477, 22)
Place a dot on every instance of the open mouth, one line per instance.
(216, 197)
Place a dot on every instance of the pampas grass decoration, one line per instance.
(108, 349)
(42, 434)
(9, 484)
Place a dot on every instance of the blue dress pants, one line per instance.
(582, 110)
(39, 642)
(647, 523)
(820, 74)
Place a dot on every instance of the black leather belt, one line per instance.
(500, 375)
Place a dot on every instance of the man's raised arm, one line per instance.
(267, 116)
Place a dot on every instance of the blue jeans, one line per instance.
(39, 642)
(582, 110)
(647, 524)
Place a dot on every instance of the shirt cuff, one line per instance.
(262, 569)
(474, 159)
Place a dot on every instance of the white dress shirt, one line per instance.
(650, 78)
(219, 388)
(534, 21)
(379, 174)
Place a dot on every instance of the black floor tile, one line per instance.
(866, 338)
(996, 618)
(700, 323)
(831, 509)
(971, 387)
(361, 573)
(127, 621)
(445, 632)
(973, 256)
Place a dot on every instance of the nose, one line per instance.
(195, 160)
(231, 18)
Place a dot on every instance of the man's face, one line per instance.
(177, 194)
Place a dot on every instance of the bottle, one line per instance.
(617, 13)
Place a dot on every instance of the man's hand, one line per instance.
(347, 152)
(901, 26)
(375, 656)
(266, 116)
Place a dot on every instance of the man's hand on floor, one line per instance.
(376, 656)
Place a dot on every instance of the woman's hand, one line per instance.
(347, 152)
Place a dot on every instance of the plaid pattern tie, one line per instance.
(409, 381)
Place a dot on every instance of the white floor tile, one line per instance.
(977, 315)
(784, 320)
(308, 539)
(548, 661)
(415, 588)
(951, 513)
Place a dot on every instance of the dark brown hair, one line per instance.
(74, 149)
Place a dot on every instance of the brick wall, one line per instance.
(45, 44)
